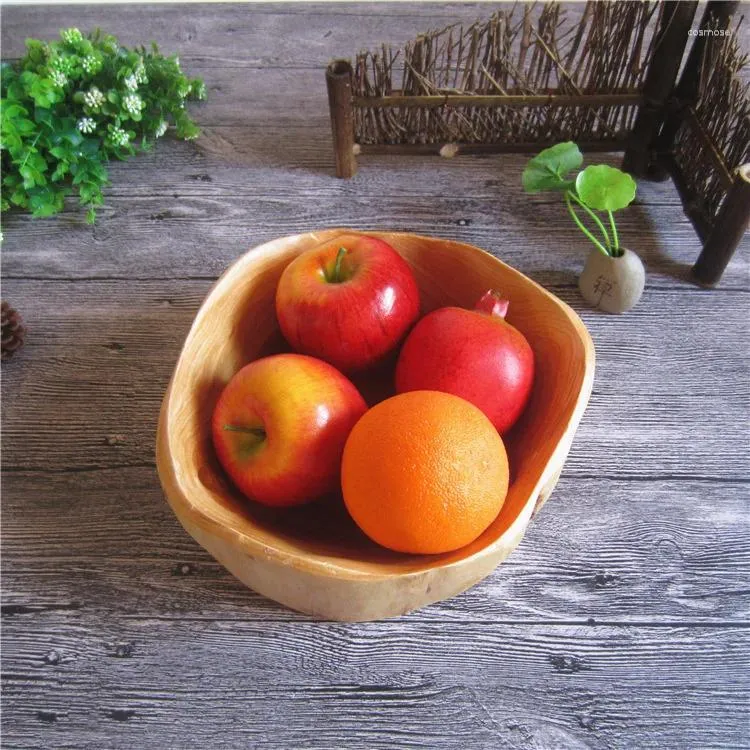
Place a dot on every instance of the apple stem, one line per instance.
(335, 277)
(259, 432)
(491, 303)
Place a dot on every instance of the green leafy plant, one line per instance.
(70, 106)
(597, 188)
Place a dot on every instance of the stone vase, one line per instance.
(611, 284)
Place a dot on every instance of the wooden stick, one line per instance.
(500, 100)
(717, 161)
(662, 73)
(727, 232)
(339, 83)
(692, 203)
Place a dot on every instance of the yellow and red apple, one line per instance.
(280, 426)
(349, 301)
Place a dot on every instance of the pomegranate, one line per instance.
(475, 354)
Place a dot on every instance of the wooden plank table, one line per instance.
(620, 622)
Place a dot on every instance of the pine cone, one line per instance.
(13, 331)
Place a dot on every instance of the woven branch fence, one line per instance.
(714, 137)
(532, 76)
(709, 157)
(527, 75)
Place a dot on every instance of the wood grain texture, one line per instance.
(267, 35)
(184, 212)
(617, 551)
(619, 622)
(121, 683)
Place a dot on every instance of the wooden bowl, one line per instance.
(314, 559)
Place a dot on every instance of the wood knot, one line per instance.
(567, 664)
(668, 547)
(183, 569)
(121, 714)
(603, 580)
(124, 650)
(114, 439)
(48, 717)
(16, 609)
(586, 721)
(52, 657)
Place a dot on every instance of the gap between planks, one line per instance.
(664, 287)
(655, 478)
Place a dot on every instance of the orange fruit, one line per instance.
(424, 472)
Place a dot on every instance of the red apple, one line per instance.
(280, 426)
(349, 301)
(474, 354)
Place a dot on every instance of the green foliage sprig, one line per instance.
(599, 187)
(70, 106)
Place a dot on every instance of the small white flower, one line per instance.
(133, 103)
(91, 64)
(131, 83)
(71, 36)
(117, 136)
(87, 125)
(58, 78)
(140, 73)
(62, 64)
(93, 98)
(161, 128)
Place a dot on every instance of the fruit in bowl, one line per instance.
(280, 425)
(424, 472)
(349, 300)
(321, 563)
(475, 354)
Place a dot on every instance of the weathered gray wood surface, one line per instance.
(620, 622)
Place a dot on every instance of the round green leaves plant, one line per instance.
(596, 188)
(68, 107)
